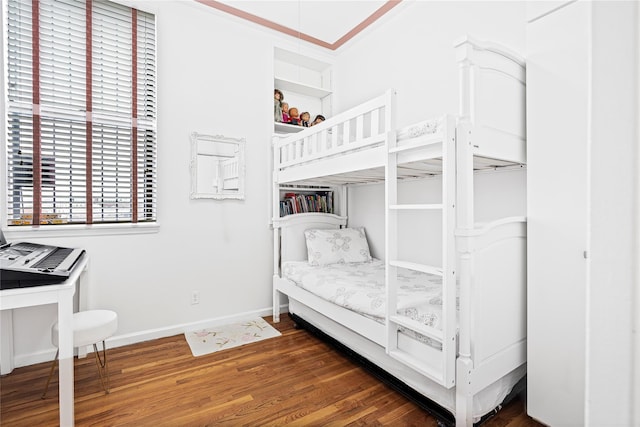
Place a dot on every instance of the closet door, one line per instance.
(557, 204)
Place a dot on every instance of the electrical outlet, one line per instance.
(195, 297)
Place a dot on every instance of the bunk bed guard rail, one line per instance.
(363, 126)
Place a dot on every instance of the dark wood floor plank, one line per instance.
(294, 379)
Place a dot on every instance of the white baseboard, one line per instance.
(151, 334)
(20, 360)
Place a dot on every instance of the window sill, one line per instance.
(25, 232)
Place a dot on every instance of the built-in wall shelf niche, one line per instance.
(301, 88)
(305, 83)
(296, 200)
(284, 128)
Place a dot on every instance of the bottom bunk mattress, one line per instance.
(360, 287)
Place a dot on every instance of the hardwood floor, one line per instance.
(293, 379)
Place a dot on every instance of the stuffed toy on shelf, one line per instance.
(304, 119)
(294, 117)
(277, 105)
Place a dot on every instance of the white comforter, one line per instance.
(361, 287)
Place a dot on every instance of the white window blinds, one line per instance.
(81, 113)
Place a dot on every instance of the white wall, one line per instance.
(215, 75)
(498, 194)
(411, 50)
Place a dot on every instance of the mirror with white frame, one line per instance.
(217, 167)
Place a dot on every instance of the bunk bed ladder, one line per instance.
(439, 365)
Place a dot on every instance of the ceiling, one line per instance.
(326, 23)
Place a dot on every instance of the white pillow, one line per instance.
(333, 246)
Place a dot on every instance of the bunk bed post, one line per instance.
(275, 215)
(464, 393)
(449, 345)
(465, 66)
(391, 219)
(276, 253)
(499, 132)
(465, 222)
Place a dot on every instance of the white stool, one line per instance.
(89, 327)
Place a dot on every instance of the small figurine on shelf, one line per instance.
(319, 119)
(277, 105)
(304, 119)
(285, 112)
(294, 118)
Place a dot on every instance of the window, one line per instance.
(81, 113)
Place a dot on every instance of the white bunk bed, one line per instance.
(480, 342)
(230, 173)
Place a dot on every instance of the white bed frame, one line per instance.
(483, 351)
(230, 173)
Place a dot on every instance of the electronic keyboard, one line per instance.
(30, 264)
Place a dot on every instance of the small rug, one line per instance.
(218, 338)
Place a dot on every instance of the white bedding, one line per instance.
(360, 287)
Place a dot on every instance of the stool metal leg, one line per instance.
(53, 367)
(101, 363)
(103, 368)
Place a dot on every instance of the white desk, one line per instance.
(62, 294)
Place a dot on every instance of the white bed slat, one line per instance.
(311, 145)
(375, 121)
(337, 150)
(424, 268)
(426, 206)
(429, 152)
(324, 141)
(360, 127)
(418, 327)
(416, 364)
(346, 132)
(420, 142)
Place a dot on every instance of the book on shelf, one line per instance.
(293, 203)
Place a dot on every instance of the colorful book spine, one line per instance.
(293, 203)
